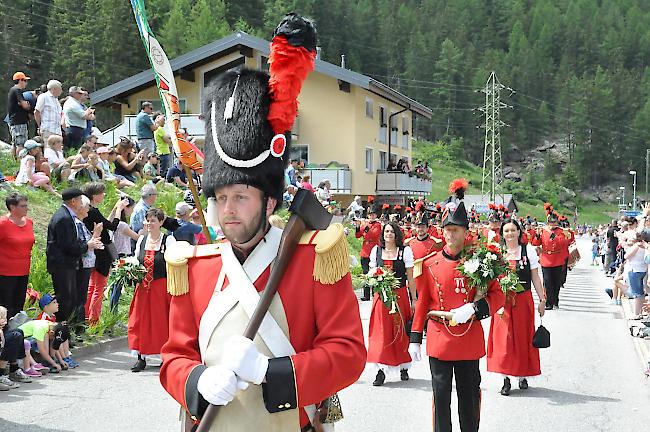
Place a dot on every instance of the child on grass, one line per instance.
(49, 307)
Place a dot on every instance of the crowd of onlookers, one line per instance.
(83, 244)
(622, 250)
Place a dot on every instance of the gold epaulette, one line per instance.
(177, 257)
(417, 266)
(332, 261)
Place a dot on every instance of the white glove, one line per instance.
(414, 352)
(242, 357)
(218, 385)
(463, 313)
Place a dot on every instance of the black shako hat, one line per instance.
(249, 114)
(423, 219)
(455, 216)
(71, 193)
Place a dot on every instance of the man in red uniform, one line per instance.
(310, 344)
(371, 233)
(555, 253)
(423, 244)
(453, 349)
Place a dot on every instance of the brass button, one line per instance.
(280, 406)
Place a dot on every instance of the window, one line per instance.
(405, 132)
(383, 162)
(300, 152)
(383, 119)
(369, 161)
(369, 108)
(157, 105)
(393, 130)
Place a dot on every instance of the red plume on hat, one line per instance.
(385, 206)
(492, 206)
(548, 208)
(291, 59)
(501, 207)
(397, 207)
(458, 187)
(408, 209)
(371, 198)
(438, 206)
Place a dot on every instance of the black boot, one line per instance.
(505, 390)
(379, 380)
(139, 365)
(523, 384)
(366, 293)
(404, 375)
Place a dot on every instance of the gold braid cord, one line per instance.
(332, 260)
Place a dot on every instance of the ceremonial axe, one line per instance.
(307, 213)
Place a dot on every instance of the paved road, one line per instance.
(592, 381)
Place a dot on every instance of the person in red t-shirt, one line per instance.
(17, 240)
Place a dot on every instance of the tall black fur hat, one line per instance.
(243, 137)
(249, 114)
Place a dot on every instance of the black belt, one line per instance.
(308, 428)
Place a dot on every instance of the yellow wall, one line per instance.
(332, 123)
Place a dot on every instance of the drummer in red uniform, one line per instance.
(510, 350)
(555, 253)
(370, 231)
(452, 350)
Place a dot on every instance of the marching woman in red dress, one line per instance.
(388, 340)
(510, 348)
(149, 312)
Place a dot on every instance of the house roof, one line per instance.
(199, 55)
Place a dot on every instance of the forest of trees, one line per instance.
(574, 69)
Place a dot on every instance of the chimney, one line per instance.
(343, 61)
(318, 52)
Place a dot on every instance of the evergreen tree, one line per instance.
(207, 23)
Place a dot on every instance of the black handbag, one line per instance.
(541, 338)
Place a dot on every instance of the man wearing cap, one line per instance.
(453, 347)
(145, 127)
(47, 112)
(423, 244)
(18, 111)
(370, 231)
(187, 229)
(66, 244)
(311, 343)
(76, 117)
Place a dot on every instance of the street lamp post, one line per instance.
(622, 189)
(633, 173)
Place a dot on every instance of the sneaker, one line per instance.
(19, 376)
(40, 368)
(6, 381)
(31, 372)
(72, 363)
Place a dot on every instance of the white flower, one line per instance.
(392, 309)
(472, 265)
(486, 273)
(490, 256)
(372, 282)
(131, 260)
(380, 278)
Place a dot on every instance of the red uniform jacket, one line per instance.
(437, 287)
(555, 251)
(371, 233)
(324, 327)
(422, 248)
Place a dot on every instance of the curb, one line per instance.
(641, 345)
(101, 347)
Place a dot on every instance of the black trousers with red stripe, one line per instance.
(468, 390)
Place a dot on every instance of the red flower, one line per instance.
(493, 248)
(379, 272)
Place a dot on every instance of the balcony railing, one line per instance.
(195, 128)
(340, 178)
(397, 183)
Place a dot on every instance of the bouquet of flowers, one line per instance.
(482, 263)
(127, 272)
(511, 283)
(383, 282)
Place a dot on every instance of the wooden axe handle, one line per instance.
(290, 238)
(440, 314)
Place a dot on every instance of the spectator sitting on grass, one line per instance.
(176, 175)
(127, 163)
(49, 307)
(60, 168)
(106, 159)
(27, 173)
(80, 164)
(11, 349)
(151, 170)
